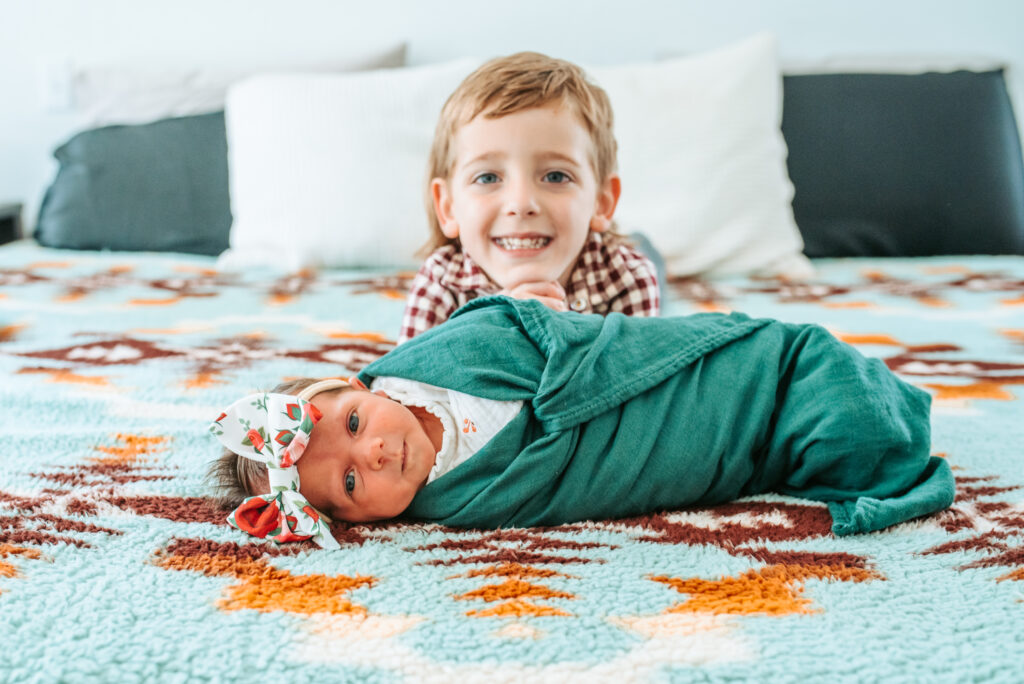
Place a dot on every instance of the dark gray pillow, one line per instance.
(161, 186)
(904, 165)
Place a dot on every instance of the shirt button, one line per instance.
(578, 303)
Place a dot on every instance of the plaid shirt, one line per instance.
(609, 276)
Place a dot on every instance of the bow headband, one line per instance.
(274, 429)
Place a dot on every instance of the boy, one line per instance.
(521, 196)
(562, 417)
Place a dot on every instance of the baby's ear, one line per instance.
(443, 207)
(356, 383)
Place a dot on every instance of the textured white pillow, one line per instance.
(135, 95)
(703, 160)
(330, 170)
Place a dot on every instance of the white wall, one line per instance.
(239, 33)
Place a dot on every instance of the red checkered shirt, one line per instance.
(609, 276)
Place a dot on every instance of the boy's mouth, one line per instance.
(514, 244)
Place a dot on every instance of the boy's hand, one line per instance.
(550, 293)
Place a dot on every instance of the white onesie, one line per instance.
(469, 422)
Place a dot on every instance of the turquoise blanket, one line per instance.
(628, 415)
(115, 566)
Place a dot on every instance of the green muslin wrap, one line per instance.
(627, 415)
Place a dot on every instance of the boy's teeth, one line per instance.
(521, 243)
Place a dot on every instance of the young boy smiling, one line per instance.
(521, 197)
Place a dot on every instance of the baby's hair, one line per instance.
(510, 84)
(233, 477)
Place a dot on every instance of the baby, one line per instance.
(560, 417)
(521, 193)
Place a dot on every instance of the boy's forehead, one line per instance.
(556, 108)
(473, 139)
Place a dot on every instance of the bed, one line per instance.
(116, 566)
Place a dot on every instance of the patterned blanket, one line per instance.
(115, 565)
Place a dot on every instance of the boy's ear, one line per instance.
(356, 383)
(443, 207)
(604, 207)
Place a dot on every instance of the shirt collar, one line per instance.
(592, 280)
(462, 273)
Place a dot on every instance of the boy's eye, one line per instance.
(557, 177)
(353, 423)
(350, 482)
(486, 178)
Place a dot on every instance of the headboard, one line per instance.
(882, 165)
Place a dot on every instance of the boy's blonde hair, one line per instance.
(234, 478)
(506, 85)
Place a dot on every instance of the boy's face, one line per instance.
(366, 458)
(523, 195)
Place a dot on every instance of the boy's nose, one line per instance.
(520, 200)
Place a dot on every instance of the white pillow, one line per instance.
(703, 160)
(330, 170)
(106, 95)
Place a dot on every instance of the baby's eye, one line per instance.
(557, 177)
(486, 178)
(350, 482)
(353, 422)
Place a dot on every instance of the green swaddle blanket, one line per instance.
(625, 415)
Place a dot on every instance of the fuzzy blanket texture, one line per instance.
(115, 565)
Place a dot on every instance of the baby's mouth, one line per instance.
(513, 244)
(405, 453)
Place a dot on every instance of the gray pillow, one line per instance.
(904, 165)
(161, 186)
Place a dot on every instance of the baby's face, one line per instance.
(523, 196)
(366, 458)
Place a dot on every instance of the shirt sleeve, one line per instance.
(429, 303)
(640, 296)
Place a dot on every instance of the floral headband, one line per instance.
(274, 429)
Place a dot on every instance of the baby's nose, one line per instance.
(375, 453)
